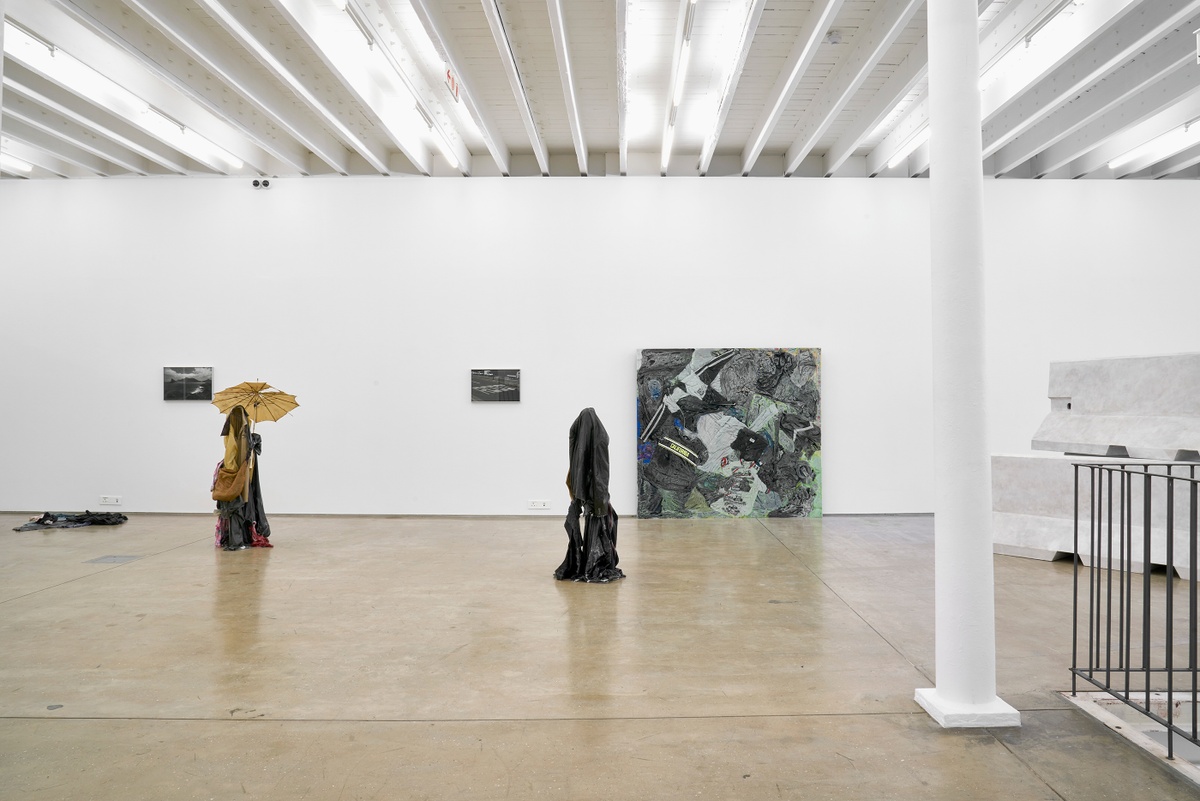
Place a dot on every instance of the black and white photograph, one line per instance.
(188, 383)
(495, 385)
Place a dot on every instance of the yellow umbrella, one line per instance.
(262, 402)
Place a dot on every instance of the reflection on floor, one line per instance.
(418, 658)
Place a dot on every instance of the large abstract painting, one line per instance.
(732, 432)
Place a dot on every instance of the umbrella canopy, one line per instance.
(261, 400)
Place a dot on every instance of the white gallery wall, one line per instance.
(372, 299)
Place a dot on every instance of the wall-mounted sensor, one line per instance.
(263, 184)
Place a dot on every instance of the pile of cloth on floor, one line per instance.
(65, 520)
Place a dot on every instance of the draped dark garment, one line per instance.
(256, 513)
(592, 551)
(242, 522)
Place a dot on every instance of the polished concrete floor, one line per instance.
(407, 658)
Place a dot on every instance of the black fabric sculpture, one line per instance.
(592, 553)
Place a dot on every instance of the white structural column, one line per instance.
(2, 9)
(965, 627)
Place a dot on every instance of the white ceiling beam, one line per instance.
(369, 151)
(1074, 35)
(81, 136)
(4, 170)
(42, 158)
(1138, 36)
(500, 35)
(1147, 166)
(393, 41)
(887, 22)
(988, 14)
(562, 49)
(680, 55)
(1174, 116)
(1006, 30)
(35, 139)
(812, 31)
(914, 120)
(1085, 24)
(36, 159)
(918, 161)
(85, 46)
(1011, 25)
(749, 28)
(1156, 64)
(1177, 163)
(909, 72)
(117, 127)
(209, 49)
(354, 74)
(430, 17)
(104, 37)
(1145, 105)
(908, 75)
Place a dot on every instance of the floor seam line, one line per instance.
(1023, 763)
(846, 603)
(98, 572)
(465, 720)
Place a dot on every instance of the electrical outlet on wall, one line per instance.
(543, 505)
(110, 500)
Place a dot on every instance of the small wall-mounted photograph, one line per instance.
(188, 383)
(495, 385)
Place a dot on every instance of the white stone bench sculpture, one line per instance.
(1105, 410)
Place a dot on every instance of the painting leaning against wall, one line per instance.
(732, 432)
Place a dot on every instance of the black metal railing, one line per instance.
(1135, 599)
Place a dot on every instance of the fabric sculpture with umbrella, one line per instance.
(241, 518)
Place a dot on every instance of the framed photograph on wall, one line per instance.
(495, 385)
(188, 383)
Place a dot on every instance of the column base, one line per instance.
(953, 715)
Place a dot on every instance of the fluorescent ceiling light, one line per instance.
(646, 35)
(30, 35)
(438, 66)
(680, 76)
(906, 149)
(78, 78)
(441, 139)
(684, 57)
(363, 27)
(1163, 146)
(182, 138)
(667, 143)
(1049, 18)
(15, 165)
(741, 23)
(1046, 35)
(266, 57)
